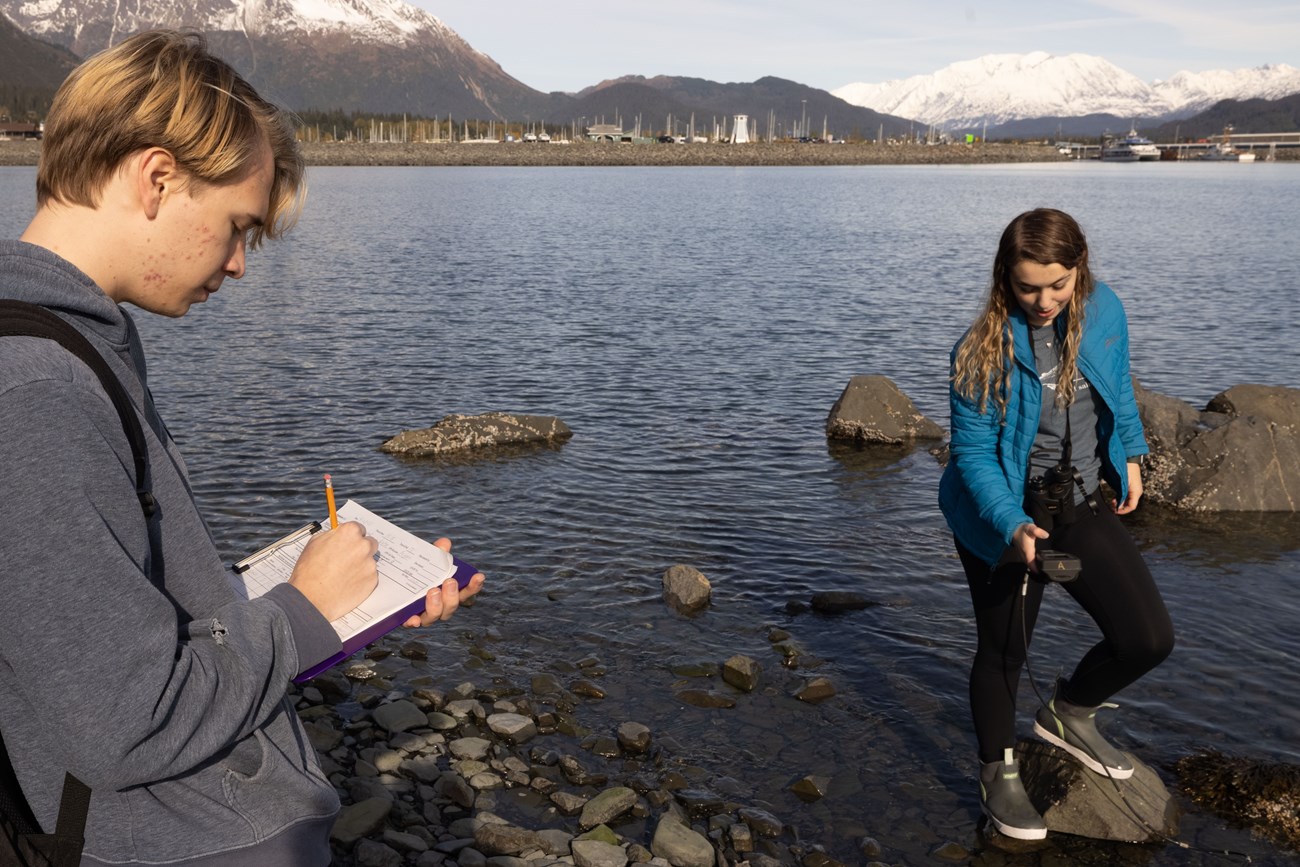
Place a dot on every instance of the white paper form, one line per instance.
(408, 567)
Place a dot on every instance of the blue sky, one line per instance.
(570, 44)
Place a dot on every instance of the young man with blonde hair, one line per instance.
(125, 657)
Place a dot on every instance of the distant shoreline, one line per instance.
(24, 153)
(612, 154)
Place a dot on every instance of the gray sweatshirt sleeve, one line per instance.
(127, 683)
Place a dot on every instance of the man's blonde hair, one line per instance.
(164, 89)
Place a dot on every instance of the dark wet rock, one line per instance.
(869, 847)
(404, 842)
(811, 788)
(360, 671)
(700, 803)
(515, 728)
(638, 854)
(840, 601)
(322, 735)
(555, 841)
(453, 787)
(681, 846)
(741, 837)
(357, 820)
(600, 832)
(333, 685)
(414, 650)
(761, 822)
(790, 654)
(694, 669)
(742, 672)
(705, 698)
(686, 589)
(440, 722)
(819, 859)
(634, 737)
(776, 634)
(586, 689)
(567, 803)
(872, 410)
(398, 716)
(372, 853)
(495, 839)
(460, 433)
(606, 807)
(474, 749)
(1264, 796)
(1242, 453)
(546, 684)
(1074, 800)
(954, 852)
(795, 607)
(816, 690)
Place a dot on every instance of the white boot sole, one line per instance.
(1088, 761)
(1016, 833)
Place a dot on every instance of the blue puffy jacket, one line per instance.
(983, 488)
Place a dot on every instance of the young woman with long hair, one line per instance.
(1042, 411)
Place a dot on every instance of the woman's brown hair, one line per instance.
(982, 370)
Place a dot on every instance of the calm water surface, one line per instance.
(693, 327)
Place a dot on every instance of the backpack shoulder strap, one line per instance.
(21, 319)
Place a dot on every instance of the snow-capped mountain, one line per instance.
(384, 55)
(999, 88)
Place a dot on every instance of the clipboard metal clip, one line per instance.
(306, 530)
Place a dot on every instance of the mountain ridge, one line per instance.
(996, 89)
(388, 57)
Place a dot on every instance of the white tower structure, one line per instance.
(740, 129)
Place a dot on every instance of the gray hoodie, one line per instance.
(125, 656)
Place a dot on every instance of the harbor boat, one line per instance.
(1131, 148)
(1224, 151)
(1117, 151)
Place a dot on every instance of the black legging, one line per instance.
(1115, 588)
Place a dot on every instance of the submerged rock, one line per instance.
(1240, 454)
(742, 672)
(1264, 796)
(872, 410)
(811, 788)
(460, 433)
(840, 601)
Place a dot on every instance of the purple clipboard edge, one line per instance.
(380, 628)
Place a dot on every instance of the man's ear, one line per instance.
(156, 176)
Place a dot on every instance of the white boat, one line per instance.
(1117, 151)
(1223, 151)
(1131, 148)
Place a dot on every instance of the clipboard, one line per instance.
(408, 567)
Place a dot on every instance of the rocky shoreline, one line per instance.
(24, 153)
(506, 773)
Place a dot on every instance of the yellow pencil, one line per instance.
(329, 498)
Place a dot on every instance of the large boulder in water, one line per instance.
(462, 433)
(872, 410)
(1074, 800)
(1240, 454)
